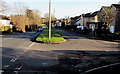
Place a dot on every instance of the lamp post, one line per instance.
(49, 19)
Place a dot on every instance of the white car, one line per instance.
(80, 27)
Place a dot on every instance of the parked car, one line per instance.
(82, 29)
(39, 29)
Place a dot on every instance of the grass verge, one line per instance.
(56, 38)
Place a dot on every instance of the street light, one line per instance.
(49, 19)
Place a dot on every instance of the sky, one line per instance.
(64, 8)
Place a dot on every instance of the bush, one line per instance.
(7, 29)
(5, 32)
(117, 33)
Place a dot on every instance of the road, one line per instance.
(18, 52)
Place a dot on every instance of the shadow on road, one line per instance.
(9, 53)
(27, 35)
(19, 35)
(73, 35)
(59, 61)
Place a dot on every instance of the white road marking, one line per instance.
(18, 56)
(31, 45)
(1, 71)
(101, 67)
(6, 66)
(19, 68)
(28, 47)
(13, 60)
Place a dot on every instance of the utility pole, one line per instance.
(54, 12)
(54, 17)
(49, 19)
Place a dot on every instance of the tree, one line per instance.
(3, 6)
(36, 17)
(19, 21)
(29, 14)
(46, 15)
(33, 16)
(106, 16)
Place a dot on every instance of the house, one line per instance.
(73, 20)
(104, 11)
(105, 17)
(88, 19)
(67, 21)
(78, 22)
(84, 19)
(110, 16)
(94, 21)
(115, 22)
(4, 23)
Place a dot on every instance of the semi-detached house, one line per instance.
(115, 22)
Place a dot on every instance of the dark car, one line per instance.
(39, 29)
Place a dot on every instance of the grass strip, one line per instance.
(43, 37)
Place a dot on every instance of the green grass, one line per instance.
(117, 33)
(41, 24)
(7, 29)
(43, 37)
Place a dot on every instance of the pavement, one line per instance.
(20, 53)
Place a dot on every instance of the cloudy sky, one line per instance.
(63, 8)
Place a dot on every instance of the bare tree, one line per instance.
(3, 6)
(29, 14)
(20, 19)
(106, 17)
(37, 17)
(46, 16)
(33, 16)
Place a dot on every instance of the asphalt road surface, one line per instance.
(19, 53)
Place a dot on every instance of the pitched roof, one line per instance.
(106, 7)
(86, 15)
(116, 5)
(94, 13)
(90, 14)
(76, 17)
